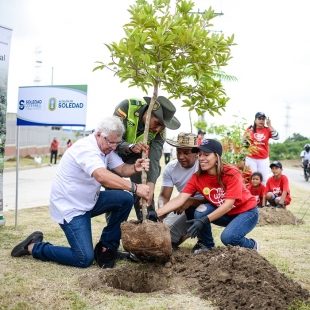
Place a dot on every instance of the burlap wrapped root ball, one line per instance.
(147, 239)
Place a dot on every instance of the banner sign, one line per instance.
(5, 47)
(64, 105)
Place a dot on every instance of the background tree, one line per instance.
(235, 144)
(296, 137)
(174, 52)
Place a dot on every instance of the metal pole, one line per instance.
(17, 169)
(52, 76)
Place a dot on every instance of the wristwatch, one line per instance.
(130, 147)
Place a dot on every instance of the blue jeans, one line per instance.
(79, 233)
(237, 226)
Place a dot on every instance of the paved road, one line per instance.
(296, 177)
(34, 186)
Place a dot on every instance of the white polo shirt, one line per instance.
(74, 190)
(175, 175)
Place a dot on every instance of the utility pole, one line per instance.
(287, 120)
(37, 66)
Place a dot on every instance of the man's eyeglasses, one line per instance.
(112, 143)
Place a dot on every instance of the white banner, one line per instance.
(64, 105)
(5, 46)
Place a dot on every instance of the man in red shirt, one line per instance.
(277, 188)
(54, 150)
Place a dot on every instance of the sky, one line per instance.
(271, 59)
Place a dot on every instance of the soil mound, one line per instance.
(274, 216)
(230, 277)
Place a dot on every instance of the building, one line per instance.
(36, 140)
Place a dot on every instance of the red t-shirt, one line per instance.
(54, 145)
(278, 187)
(257, 192)
(260, 139)
(209, 187)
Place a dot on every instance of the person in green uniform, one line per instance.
(133, 114)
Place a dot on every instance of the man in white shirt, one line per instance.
(305, 157)
(177, 173)
(76, 198)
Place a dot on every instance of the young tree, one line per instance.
(175, 52)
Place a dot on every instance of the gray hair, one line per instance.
(111, 126)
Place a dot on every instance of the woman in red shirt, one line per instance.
(229, 205)
(259, 135)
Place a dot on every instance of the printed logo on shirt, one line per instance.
(259, 136)
(216, 195)
(121, 113)
(277, 191)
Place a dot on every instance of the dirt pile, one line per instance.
(274, 216)
(231, 277)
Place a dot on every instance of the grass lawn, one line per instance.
(27, 283)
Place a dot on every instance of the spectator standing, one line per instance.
(69, 143)
(54, 151)
(200, 136)
(259, 135)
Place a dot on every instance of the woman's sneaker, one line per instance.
(197, 246)
(256, 245)
(202, 249)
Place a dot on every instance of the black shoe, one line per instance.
(127, 255)
(197, 246)
(22, 248)
(105, 257)
(175, 247)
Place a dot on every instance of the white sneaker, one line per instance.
(202, 249)
(256, 245)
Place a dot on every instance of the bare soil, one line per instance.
(275, 217)
(229, 277)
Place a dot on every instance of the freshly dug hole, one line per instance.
(147, 239)
(136, 279)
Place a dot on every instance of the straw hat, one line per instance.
(185, 140)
